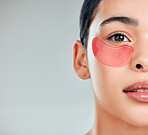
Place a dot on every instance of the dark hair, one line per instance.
(86, 16)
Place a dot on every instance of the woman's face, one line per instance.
(109, 82)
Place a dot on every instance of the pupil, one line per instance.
(119, 37)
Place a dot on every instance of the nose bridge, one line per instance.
(140, 56)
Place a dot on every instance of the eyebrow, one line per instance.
(125, 20)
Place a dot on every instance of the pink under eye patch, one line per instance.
(111, 56)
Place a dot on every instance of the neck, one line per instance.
(107, 124)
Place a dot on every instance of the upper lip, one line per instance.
(136, 86)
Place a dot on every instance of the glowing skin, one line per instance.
(111, 56)
(115, 112)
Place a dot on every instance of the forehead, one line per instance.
(134, 8)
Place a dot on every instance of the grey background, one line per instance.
(39, 92)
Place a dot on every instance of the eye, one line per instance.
(118, 37)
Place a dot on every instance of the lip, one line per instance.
(131, 92)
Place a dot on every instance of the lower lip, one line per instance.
(138, 96)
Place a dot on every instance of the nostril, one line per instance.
(138, 66)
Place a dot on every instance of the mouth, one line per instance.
(138, 91)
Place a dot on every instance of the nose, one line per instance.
(139, 61)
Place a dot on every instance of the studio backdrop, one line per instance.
(40, 94)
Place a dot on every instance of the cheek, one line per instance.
(106, 81)
(106, 69)
(108, 87)
(111, 56)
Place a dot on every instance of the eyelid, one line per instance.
(122, 33)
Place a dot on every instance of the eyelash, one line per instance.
(119, 34)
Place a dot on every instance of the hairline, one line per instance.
(92, 19)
